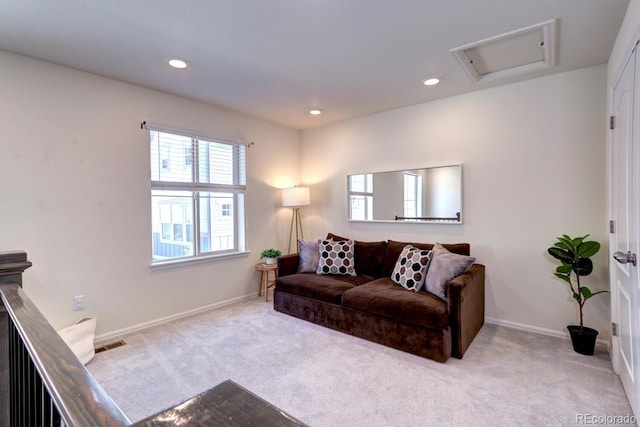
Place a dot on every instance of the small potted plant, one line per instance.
(575, 255)
(270, 255)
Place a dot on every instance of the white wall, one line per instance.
(622, 47)
(75, 194)
(534, 168)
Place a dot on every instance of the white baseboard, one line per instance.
(537, 330)
(109, 337)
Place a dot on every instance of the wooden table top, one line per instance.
(261, 266)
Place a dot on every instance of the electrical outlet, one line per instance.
(79, 303)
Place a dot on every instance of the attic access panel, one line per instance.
(510, 54)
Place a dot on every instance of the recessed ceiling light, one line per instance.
(431, 82)
(315, 111)
(178, 63)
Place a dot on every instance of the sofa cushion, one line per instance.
(444, 267)
(385, 298)
(331, 236)
(336, 257)
(327, 288)
(308, 256)
(394, 248)
(411, 268)
(368, 256)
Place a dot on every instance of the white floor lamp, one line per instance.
(295, 197)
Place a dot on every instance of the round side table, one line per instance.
(265, 283)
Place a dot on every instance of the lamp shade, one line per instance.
(295, 196)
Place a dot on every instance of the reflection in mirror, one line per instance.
(415, 195)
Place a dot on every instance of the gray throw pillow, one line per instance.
(444, 267)
(308, 256)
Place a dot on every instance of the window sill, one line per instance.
(197, 260)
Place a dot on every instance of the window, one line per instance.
(361, 196)
(412, 195)
(197, 195)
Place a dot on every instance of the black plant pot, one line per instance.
(583, 339)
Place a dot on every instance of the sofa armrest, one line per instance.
(466, 308)
(288, 264)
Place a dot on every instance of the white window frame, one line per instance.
(412, 199)
(365, 197)
(200, 190)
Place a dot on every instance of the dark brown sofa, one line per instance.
(371, 306)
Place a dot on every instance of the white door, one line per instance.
(625, 295)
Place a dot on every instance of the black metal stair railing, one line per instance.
(31, 403)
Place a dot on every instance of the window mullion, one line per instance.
(196, 195)
(196, 223)
(212, 188)
(235, 223)
(360, 193)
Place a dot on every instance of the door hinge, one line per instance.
(614, 329)
(612, 122)
(612, 226)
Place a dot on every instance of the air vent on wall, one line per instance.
(511, 54)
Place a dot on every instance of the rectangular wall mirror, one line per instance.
(415, 195)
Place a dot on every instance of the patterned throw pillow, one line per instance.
(336, 257)
(444, 267)
(411, 268)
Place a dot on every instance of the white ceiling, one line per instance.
(274, 59)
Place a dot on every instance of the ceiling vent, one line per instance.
(511, 54)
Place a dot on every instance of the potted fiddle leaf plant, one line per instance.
(574, 254)
(270, 255)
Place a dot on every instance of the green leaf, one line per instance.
(588, 249)
(577, 297)
(564, 268)
(584, 267)
(564, 277)
(586, 292)
(561, 254)
(563, 245)
(577, 241)
(566, 241)
(599, 292)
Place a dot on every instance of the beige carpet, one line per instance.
(326, 378)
